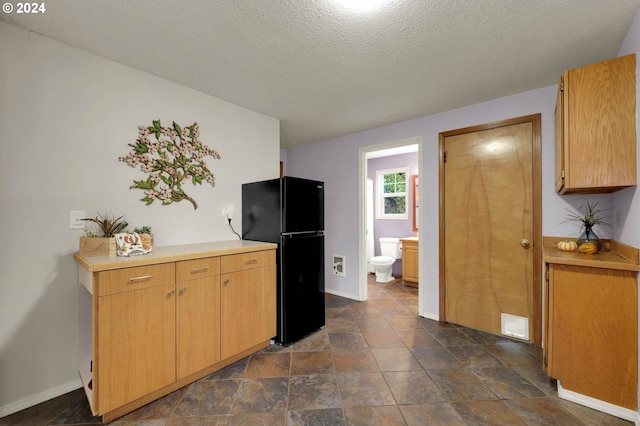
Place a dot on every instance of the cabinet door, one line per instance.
(198, 324)
(593, 332)
(599, 118)
(410, 256)
(248, 309)
(136, 334)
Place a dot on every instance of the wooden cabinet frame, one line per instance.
(595, 120)
(138, 317)
(591, 323)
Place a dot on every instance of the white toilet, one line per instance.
(391, 249)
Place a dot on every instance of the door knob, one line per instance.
(525, 243)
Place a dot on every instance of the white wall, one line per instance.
(335, 162)
(65, 118)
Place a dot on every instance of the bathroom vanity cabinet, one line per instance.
(591, 321)
(152, 324)
(410, 259)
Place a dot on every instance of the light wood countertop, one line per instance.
(614, 255)
(164, 254)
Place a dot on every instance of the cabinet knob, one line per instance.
(183, 290)
(225, 282)
(525, 243)
(171, 293)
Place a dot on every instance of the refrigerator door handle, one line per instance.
(303, 234)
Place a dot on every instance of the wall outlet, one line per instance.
(229, 211)
(339, 265)
(75, 219)
(619, 219)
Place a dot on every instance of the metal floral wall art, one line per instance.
(171, 156)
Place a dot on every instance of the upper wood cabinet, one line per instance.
(595, 121)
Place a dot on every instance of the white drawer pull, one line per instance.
(142, 278)
(202, 269)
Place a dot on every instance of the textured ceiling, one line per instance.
(325, 71)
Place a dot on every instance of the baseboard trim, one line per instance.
(596, 404)
(430, 315)
(340, 294)
(36, 399)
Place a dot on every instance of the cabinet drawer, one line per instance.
(128, 279)
(239, 262)
(197, 268)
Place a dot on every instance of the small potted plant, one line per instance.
(145, 230)
(101, 241)
(588, 242)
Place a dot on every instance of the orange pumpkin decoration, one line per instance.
(588, 248)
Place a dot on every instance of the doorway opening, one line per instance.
(366, 237)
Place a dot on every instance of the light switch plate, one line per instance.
(75, 219)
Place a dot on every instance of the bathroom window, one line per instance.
(392, 193)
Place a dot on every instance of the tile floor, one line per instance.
(375, 363)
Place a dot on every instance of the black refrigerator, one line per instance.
(290, 212)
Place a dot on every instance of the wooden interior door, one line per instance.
(490, 238)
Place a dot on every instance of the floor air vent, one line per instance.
(515, 326)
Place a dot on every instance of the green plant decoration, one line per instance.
(108, 225)
(592, 217)
(171, 156)
(142, 230)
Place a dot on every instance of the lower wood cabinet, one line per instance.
(243, 327)
(137, 345)
(592, 332)
(197, 315)
(147, 330)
